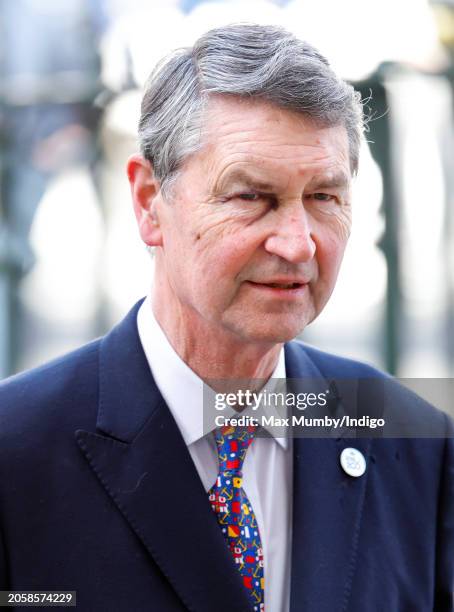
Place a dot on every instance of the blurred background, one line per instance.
(71, 261)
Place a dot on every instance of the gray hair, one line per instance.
(261, 62)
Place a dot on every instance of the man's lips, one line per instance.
(282, 283)
(281, 286)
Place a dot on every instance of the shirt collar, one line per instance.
(180, 386)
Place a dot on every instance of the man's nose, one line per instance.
(292, 239)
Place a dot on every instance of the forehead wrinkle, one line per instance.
(257, 159)
(297, 153)
(245, 140)
(244, 143)
(233, 134)
(225, 117)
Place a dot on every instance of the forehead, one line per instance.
(256, 133)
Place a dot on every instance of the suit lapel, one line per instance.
(141, 460)
(327, 512)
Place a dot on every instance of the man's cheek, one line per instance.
(344, 224)
(335, 239)
(337, 222)
(329, 255)
(223, 242)
(217, 229)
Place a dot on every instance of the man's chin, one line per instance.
(267, 327)
(278, 337)
(272, 335)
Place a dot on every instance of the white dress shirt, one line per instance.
(267, 469)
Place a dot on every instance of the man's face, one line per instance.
(256, 228)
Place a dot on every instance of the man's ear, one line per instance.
(145, 192)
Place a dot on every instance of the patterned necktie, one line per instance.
(234, 511)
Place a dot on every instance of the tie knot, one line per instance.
(232, 443)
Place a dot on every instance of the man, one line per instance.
(111, 487)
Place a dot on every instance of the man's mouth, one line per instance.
(291, 288)
(282, 285)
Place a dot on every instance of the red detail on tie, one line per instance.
(231, 465)
(236, 508)
(247, 580)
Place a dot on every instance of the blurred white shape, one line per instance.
(128, 269)
(127, 266)
(364, 275)
(119, 130)
(357, 35)
(421, 110)
(424, 362)
(54, 8)
(208, 15)
(407, 31)
(119, 8)
(66, 237)
(138, 40)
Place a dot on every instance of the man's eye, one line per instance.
(322, 197)
(269, 198)
(249, 197)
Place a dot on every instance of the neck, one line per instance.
(213, 354)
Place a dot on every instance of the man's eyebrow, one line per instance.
(240, 175)
(338, 180)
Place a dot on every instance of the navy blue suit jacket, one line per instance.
(99, 494)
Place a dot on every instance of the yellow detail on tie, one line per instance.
(245, 509)
(233, 533)
(237, 482)
(226, 493)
